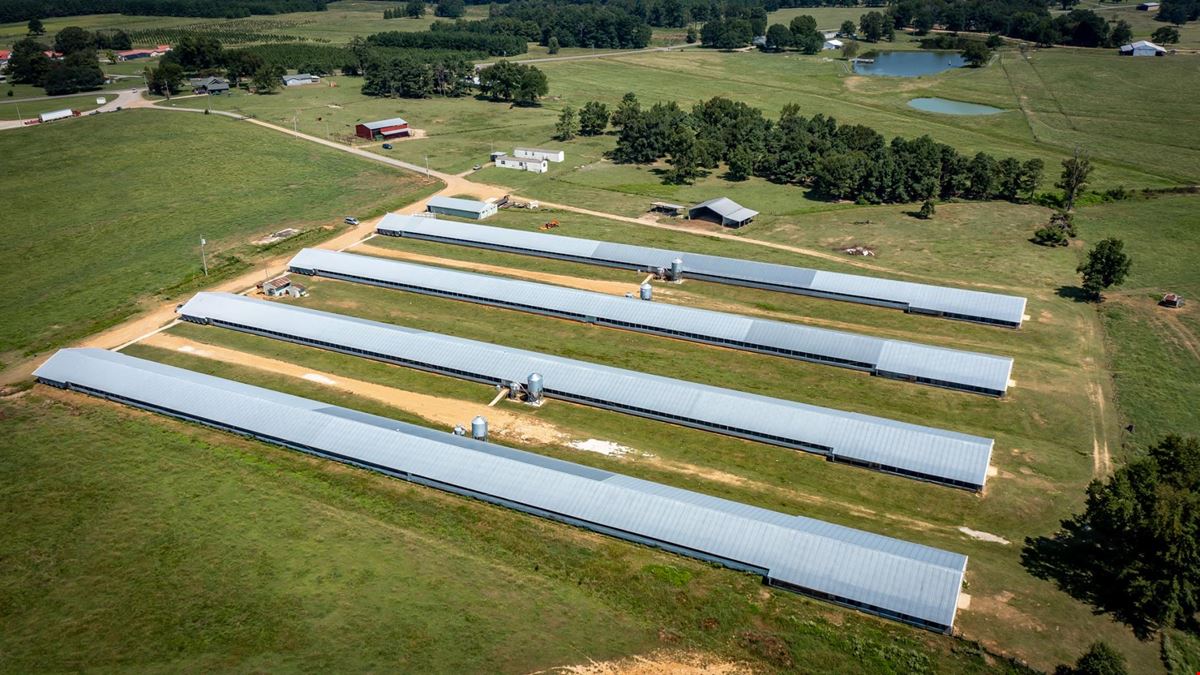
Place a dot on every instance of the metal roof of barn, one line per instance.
(381, 124)
(969, 371)
(457, 204)
(936, 453)
(971, 305)
(727, 208)
(903, 580)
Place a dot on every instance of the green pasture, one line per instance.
(133, 194)
(31, 109)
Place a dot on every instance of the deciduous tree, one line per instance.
(1132, 552)
(1099, 659)
(1076, 170)
(414, 9)
(35, 27)
(268, 78)
(593, 118)
(568, 124)
(1106, 265)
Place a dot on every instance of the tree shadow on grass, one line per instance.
(1074, 293)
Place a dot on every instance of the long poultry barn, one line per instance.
(910, 450)
(889, 577)
(950, 368)
(953, 303)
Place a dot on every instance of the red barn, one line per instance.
(383, 129)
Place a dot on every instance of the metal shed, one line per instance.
(907, 582)
(910, 450)
(461, 208)
(953, 369)
(954, 303)
(724, 210)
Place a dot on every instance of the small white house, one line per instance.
(1142, 48)
(540, 153)
(300, 79)
(521, 164)
(833, 44)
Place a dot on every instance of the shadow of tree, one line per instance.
(1074, 293)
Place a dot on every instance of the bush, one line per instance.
(1049, 235)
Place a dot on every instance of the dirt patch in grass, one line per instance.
(660, 663)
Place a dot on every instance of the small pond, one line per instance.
(910, 64)
(948, 107)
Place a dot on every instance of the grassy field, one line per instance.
(1048, 96)
(1156, 350)
(342, 21)
(31, 109)
(187, 549)
(72, 266)
(1043, 443)
(1144, 23)
(1083, 372)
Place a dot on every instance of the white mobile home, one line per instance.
(540, 153)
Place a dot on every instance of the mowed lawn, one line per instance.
(102, 212)
(133, 541)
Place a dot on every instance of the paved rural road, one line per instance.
(125, 98)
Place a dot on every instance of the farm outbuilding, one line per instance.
(521, 164)
(832, 44)
(460, 208)
(382, 129)
(953, 369)
(724, 211)
(540, 153)
(300, 79)
(1142, 48)
(907, 582)
(910, 450)
(1148, 6)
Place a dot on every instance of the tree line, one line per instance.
(24, 10)
(568, 24)
(1023, 19)
(843, 162)
(78, 70)
(454, 40)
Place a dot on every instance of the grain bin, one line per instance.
(533, 391)
(479, 428)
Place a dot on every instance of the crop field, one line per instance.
(145, 228)
(279, 559)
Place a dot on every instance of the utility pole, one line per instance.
(426, 165)
(203, 258)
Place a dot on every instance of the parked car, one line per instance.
(351, 220)
(387, 146)
(477, 167)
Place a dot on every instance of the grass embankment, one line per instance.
(189, 549)
(118, 215)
